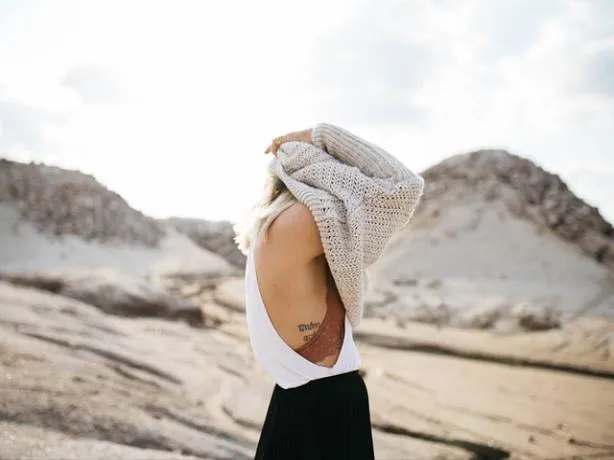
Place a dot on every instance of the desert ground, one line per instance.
(488, 333)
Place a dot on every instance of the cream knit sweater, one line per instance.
(359, 196)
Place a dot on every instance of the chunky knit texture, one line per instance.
(359, 195)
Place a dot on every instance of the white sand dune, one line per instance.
(23, 248)
(476, 246)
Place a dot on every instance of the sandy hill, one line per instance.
(214, 236)
(496, 237)
(51, 218)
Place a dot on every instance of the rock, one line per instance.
(432, 283)
(378, 298)
(540, 196)
(54, 218)
(428, 313)
(26, 442)
(217, 237)
(246, 409)
(62, 202)
(77, 382)
(492, 225)
(599, 245)
(536, 317)
(113, 293)
(482, 317)
(405, 282)
(137, 388)
(231, 294)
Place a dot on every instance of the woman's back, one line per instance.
(298, 292)
(277, 347)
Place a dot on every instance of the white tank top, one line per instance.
(277, 358)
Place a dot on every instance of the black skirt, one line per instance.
(324, 419)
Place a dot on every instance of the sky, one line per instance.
(171, 104)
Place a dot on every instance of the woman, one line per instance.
(331, 204)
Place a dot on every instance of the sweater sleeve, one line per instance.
(365, 210)
(372, 160)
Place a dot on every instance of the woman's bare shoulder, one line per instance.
(296, 233)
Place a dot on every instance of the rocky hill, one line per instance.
(528, 191)
(61, 202)
(217, 237)
(52, 219)
(496, 242)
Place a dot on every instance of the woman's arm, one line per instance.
(351, 149)
(348, 182)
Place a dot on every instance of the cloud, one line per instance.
(373, 67)
(21, 125)
(599, 72)
(369, 68)
(93, 84)
(387, 65)
(444, 76)
(511, 27)
(30, 113)
(26, 129)
(426, 79)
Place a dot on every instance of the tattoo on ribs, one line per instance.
(308, 328)
(308, 337)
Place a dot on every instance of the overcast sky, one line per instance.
(171, 104)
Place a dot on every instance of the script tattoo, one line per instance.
(309, 329)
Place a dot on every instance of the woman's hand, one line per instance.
(296, 136)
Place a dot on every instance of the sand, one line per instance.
(77, 381)
(23, 249)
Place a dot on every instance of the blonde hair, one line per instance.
(275, 199)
